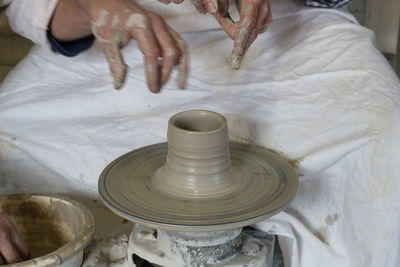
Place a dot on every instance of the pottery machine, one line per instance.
(192, 196)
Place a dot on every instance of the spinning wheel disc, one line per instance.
(266, 184)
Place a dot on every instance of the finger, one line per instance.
(8, 233)
(169, 50)
(110, 40)
(17, 240)
(223, 7)
(262, 18)
(253, 36)
(183, 60)
(211, 6)
(227, 24)
(247, 23)
(238, 4)
(199, 5)
(21, 246)
(149, 46)
(116, 63)
(8, 251)
(267, 20)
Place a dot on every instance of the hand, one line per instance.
(115, 22)
(254, 17)
(206, 6)
(13, 248)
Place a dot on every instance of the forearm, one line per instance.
(71, 20)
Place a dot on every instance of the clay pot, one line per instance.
(55, 228)
(198, 164)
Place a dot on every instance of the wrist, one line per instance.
(83, 5)
(71, 20)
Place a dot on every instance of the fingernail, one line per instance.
(156, 90)
(264, 29)
(155, 86)
(117, 85)
(165, 2)
(120, 78)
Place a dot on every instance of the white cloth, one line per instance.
(314, 87)
(30, 18)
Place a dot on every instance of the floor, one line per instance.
(358, 8)
(13, 48)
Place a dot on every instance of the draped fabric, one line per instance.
(313, 87)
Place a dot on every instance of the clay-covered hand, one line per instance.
(254, 18)
(13, 248)
(206, 6)
(115, 22)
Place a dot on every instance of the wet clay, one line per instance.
(294, 162)
(49, 224)
(198, 181)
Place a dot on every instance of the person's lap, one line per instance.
(312, 87)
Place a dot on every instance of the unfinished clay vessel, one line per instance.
(198, 181)
(56, 229)
(198, 162)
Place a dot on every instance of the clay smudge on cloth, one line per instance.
(330, 219)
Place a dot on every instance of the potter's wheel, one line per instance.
(252, 184)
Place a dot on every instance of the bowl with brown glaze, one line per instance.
(55, 228)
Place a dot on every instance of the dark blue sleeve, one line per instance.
(328, 3)
(71, 48)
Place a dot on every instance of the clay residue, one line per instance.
(148, 235)
(273, 230)
(107, 252)
(294, 162)
(249, 141)
(321, 235)
(4, 145)
(330, 219)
